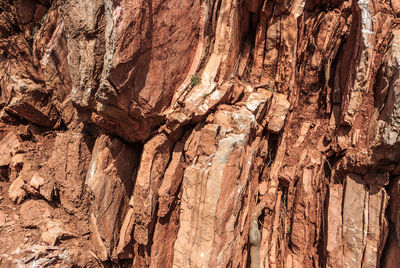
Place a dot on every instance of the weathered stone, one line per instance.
(127, 68)
(37, 181)
(204, 213)
(66, 169)
(257, 103)
(125, 238)
(281, 103)
(55, 232)
(41, 186)
(7, 146)
(353, 220)
(165, 233)
(220, 150)
(392, 257)
(35, 210)
(277, 112)
(17, 162)
(172, 179)
(3, 218)
(303, 213)
(32, 103)
(16, 192)
(155, 157)
(377, 227)
(97, 241)
(334, 244)
(110, 181)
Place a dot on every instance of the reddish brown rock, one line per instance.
(277, 113)
(391, 257)
(142, 67)
(8, 145)
(217, 154)
(353, 223)
(65, 170)
(35, 210)
(32, 103)
(199, 133)
(334, 245)
(55, 232)
(17, 162)
(377, 227)
(16, 191)
(110, 181)
(154, 161)
(172, 179)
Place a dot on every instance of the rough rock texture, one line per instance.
(218, 133)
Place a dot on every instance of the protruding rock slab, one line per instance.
(16, 192)
(140, 65)
(278, 110)
(213, 188)
(172, 179)
(110, 181)
(353, 220)
(154, 161)
(334, 246)
(8, 145)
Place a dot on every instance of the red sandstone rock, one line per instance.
(334, 245)
(109, 169)
(8, 145)
(154, 161)
(199, 133)
(16, 192)
(277, 113)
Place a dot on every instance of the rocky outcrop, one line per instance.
(142, 53)
(199, 133)
(109, 170)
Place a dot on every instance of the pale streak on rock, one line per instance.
(334, 246)
(277, 113)
(357, 85)
(353, 221)
(377, 233)
(172, 178)
(155, 157)
(198, 231)
(110, 181)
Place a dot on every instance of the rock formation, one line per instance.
(199, 133)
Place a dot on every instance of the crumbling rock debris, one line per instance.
(55, 232)
(16, 192)
(8, 145)
(199, 133)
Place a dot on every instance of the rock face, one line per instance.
(110, 181)
(199, 133)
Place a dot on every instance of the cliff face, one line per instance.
(200, 133)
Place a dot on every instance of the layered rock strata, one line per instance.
(199, 133)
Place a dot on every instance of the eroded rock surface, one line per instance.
(199, 133)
